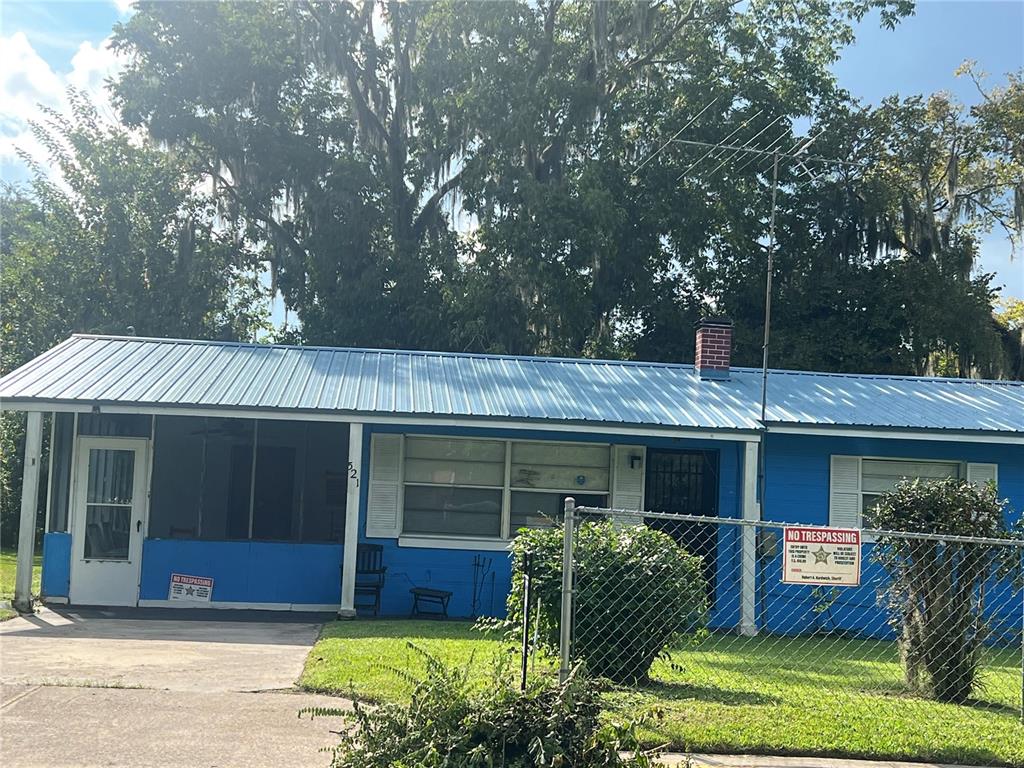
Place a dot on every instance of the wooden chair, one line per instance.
(370, 575)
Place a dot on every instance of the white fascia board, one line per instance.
(935, 435)
(727, 435)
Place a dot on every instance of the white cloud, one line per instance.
(124, 7)
(28, 82)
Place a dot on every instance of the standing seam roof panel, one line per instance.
(107, 373)
(54, 381)
(90, 370)
(198, 360)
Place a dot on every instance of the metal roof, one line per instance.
(169, 373)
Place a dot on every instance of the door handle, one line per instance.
(138, 526)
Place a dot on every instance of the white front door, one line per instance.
(108, 520)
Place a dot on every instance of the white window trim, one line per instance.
(503, 541)
(861, 493)
(441, 541)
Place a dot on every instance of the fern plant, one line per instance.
(449, 722)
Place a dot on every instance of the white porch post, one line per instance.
(29, 505)
(348, 561)
(748, 551)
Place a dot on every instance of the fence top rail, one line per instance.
(872, 532)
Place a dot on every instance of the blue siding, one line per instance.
(246, 571)
(452, 569)
(797, 491)
(56, 578)
(797, 486)
(797, 469)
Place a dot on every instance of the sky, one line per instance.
(45, 46)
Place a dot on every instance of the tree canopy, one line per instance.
(500, 176)
(509, 177)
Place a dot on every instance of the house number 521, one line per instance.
(353, 473)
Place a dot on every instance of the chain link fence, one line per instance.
(702, 603)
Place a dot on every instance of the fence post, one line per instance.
(565, 625)
(748, 542)
(527, 579)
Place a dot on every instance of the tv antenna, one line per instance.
(726, 150)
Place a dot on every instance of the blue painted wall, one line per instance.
(246, 571)
(797, 469)
(797, 491)
(56, 578)
(452, 569)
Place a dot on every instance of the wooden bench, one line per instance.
(435, 598)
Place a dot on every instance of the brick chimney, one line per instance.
(714, 347)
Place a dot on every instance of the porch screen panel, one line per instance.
(210, 483)
(325, 479)
(176, 490)
(60, 477)
(114, 424)
(280, 447)
(227, 478)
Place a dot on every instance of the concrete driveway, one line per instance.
(159, 687)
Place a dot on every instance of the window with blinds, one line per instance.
(879, 476)
(473, 488)
(453, 487)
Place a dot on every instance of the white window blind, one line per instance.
(882, 475)
(983, 473)
(473, 488)
(560, 466)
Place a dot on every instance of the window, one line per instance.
(269, 480)
(540, 510)
(454, 487)
(881, 475)
(489, 489)
(856, 483)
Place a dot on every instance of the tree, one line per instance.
(118, 240)
(936, 591)
(325, 144)
(350, 137)
(1010, 325)
(876, 260)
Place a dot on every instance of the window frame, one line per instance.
(506, 535)
(961, 473)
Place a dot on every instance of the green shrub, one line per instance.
(450, 723)
(936, 590)
(637, 592)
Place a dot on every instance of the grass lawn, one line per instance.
(733, 694)
(8, 565)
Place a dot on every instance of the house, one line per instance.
(261, 467)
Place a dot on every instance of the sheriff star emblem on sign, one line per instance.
(821, 556)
